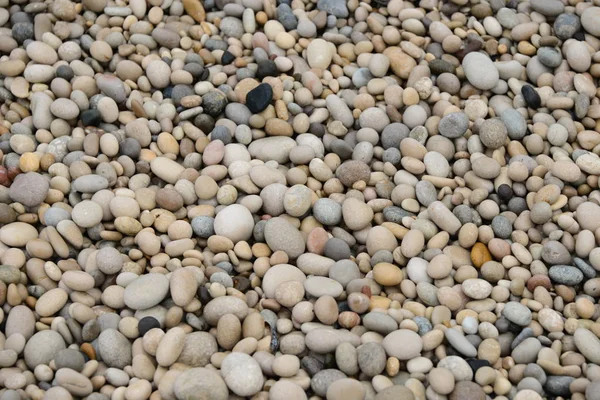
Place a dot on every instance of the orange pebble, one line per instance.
(480, 254)
(88, 349)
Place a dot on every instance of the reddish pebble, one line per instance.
(315, 243)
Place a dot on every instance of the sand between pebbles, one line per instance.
(299, 199)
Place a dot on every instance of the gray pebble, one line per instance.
(502, 227)
(559, 385)
(555, 252)
(566, 275)
(321, 380)
(454, 125)
(371, 358)
(517, 313)
(327, 211)
(515, 123)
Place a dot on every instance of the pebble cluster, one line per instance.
(285, 200)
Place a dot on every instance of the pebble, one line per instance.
(146, 291)
(517, 313)
(480, 71)
(242, 374)
(234, 222)
(200, 382)
(29, 189)
(114, 348)
(454, 125)
(403, 344)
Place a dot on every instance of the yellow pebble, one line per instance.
(29, 162)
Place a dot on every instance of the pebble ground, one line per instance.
(305, 199)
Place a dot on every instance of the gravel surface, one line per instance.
(291, 199)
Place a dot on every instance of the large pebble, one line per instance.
(480, 71)
(146, 291)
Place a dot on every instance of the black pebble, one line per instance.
(204, 295)
(266, 68)
(259, 98)
(227, 58)
(91, 117)
(531, 96)
(205, 122)
(146, 324)
(505, 192)
(476, 364)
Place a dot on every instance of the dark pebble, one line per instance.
(337, 249)
(579, 36)
(205, 122)
(227, 58)
(195, 69)
(311, 365)
(505, 192)
(5, 95)
(438, 67)
(259, 98)
(342, 149)
(241, 283)
(146, 324)
(476, 364)
(266, 68)
(531, 96)
(130, 147)
(22, 31)
(214, 102)
(91, 117)
(559, 385)
(65, 72)
(517, 205)
(168, 92)
(204, 295)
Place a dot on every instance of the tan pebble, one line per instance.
(387, 274)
